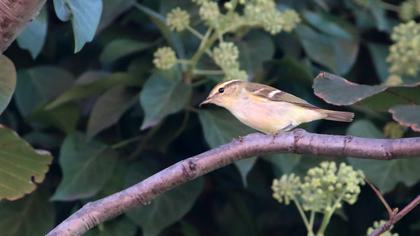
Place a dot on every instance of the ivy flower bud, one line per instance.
(209, 11)
(164, 58)
(235, 74)
(178, 19)
(290, 20)
(407, 11)
(226, 55)
(286, 188)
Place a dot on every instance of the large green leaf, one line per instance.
(84, 15)
(35, 34)
(384, 174)
(220, 127)
(120, 48)
(39, 85)
(63, 117)
(21, 166)
(86, 166)
(32, 215)
(379, 52)
(108, 109)
(167, 208)
(407, 115)
(7, 81)
(121, 226)
(164, 93)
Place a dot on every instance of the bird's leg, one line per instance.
(285, 129)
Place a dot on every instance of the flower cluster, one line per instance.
(405, 52)
(409, 9)
(378, 224)
(164, 58)
(178, 19)
(226, 56)
(323, 189)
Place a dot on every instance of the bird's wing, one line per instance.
(273, 94)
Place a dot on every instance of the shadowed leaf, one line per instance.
(120, 48)
(407, 115)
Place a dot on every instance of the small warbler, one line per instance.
(268, 109)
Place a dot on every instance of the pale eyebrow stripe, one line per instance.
(225, 84)
(273, 93)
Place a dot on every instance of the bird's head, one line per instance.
(224, 94)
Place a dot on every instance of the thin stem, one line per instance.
(390, 7)
(312, 219)
(302, 215)
(327, 216)
(208, 72)
(126, 142)
(184, 62)
(195, 32)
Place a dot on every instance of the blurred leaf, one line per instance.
(384, 174)
(283, 163)
(32, 215)
(7, 81)
(336, 53)
(112, 9)
(21, 166)
(189, 229)
(64, 117)
(329, 24)
(379, 52)
(391, 97)
(87, 89)
(38, 85)
(35, 33)
(220, 127)
(164, 93)
(120, 48)
(109, 108)
(167, 208)
(121, 226)
(407, 115)
(86, 166)
(255, 48)
(84, 15)
(45, 140)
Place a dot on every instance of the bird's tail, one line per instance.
(342, 116)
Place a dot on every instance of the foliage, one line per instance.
(126, 105)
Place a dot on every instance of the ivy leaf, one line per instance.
(84, 15)
(34, 35)
(379, 52)
(221, 127)
(120, 48)
(164, 93)
(121, 226)
(7, 81)
(21, 166)
(167, 208)
(109, 108)
(86, 166)
(112, 9)
(407, 115)
(384, 174)
(32, 215)
(284, 163)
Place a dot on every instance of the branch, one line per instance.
(395, 217)
(14, 15)
(297, 141)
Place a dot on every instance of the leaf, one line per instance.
(38, 85)
(407, 115)
(21, 166)
(339, 91)
(86, 166)
(384, 174)
(329, 24)
(255, 48)
(120, 48)
(283, 163)
(7, 81)
(109, 108)
(32, 215)
(221, 127)
(379, 52)
(64, 117)
(112, 9)
(89, 88)
(336, 53)
(167, 208)
(84, 15)
(121, 226)
(164, 93)
(35, 33)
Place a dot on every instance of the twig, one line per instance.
(297, 141)
(381, 197)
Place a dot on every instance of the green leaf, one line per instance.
(100, 83)
(379, 52)
(335, 53)
(121, 226)
(167, 208)
(109, 108)
(164, 93)
(384, 174)
(7, 81)
(86, 166)
(112, 9)
(21, 166)
(34, 35)
(64, 117)
(120, 48)
(221, 127)
(329, 24)
(255, 48)
(32, 215)
(36, 86)
(407, 115)
(283, 163)
(84, 15)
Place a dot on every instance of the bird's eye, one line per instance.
(221, 90)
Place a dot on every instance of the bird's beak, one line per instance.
(207, 101)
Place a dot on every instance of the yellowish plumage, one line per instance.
(268, 109)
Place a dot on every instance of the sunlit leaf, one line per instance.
(35, 34)
(7, 81)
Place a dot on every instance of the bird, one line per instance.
(267, 109)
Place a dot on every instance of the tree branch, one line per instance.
(297, 141)
(14, 15)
